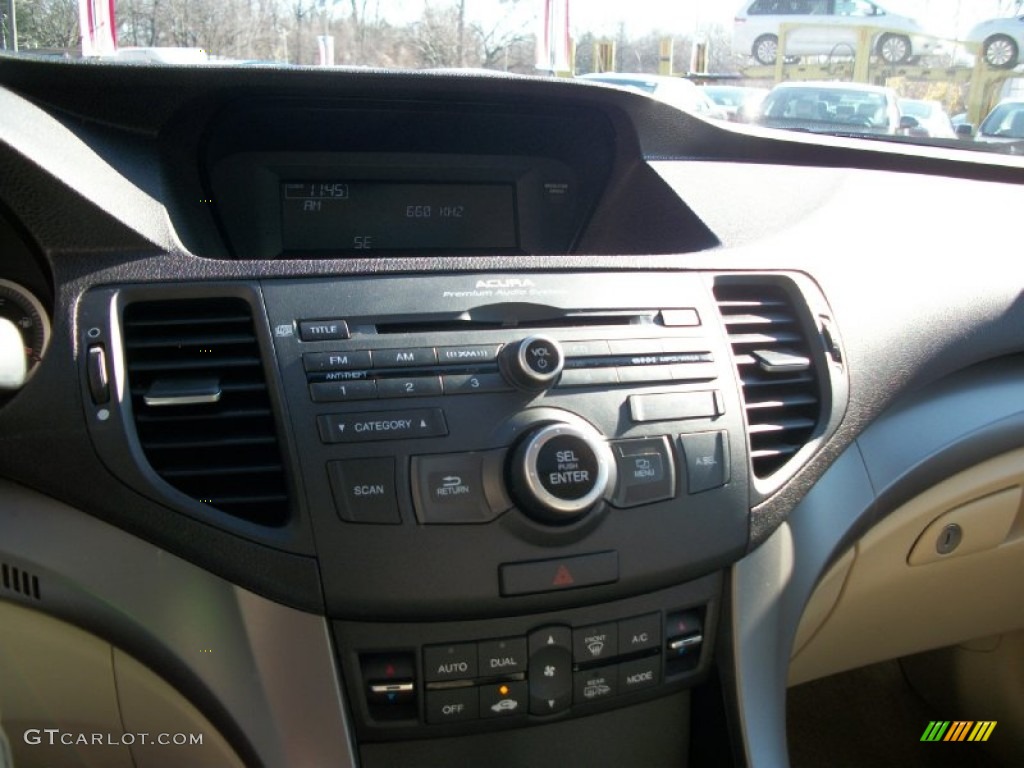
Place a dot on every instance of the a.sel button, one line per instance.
(364, 490)
(382, 425)
(707, 460)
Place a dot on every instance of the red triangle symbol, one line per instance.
(390, 671)
(563, 577)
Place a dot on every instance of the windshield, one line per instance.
(961, 58)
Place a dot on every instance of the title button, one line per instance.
(323, 330)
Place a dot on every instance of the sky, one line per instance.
(682, 17)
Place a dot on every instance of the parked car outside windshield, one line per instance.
(831, 108)
(1000, 41)
(677, 91)
(826, 28)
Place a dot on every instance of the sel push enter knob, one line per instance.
(560, 471)
(533, 363)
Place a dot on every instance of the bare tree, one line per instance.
(51, 24)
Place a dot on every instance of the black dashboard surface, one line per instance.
(144, 184)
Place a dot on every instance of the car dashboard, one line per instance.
(383, 418)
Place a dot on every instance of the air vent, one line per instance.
(202, 410)
(19, 581)
(775, 365)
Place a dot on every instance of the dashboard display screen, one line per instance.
(337, 215)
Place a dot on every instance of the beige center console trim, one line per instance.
(894, 594)
(107, 709)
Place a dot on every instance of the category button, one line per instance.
(595, 643)
(323, 330)
(382, 425)
(364, 490)
(449, 662)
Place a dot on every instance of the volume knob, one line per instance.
(533, 363)
(560, 471)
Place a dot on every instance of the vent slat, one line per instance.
(195, 364)
(781, 400)
(196, 340)
(224, 454)
(756, 320)
(765, 339)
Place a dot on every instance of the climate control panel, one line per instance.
(464, 677)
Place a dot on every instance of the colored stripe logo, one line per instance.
(958, 730)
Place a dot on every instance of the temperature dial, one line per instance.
(532, 364)
(559, 472)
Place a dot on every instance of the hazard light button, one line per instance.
(562, 573)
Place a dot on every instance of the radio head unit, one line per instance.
(537, 418)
